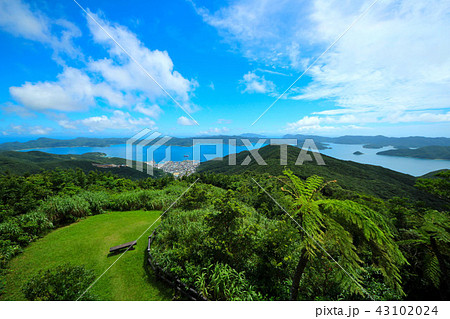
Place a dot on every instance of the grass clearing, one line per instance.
(87, 242)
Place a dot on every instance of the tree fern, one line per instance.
(333, 225)
(430, 232)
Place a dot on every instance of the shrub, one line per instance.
(64, 282)
(221, 282)
(195, 198)
(65, 209)
(97, 201)
(8, 250)
(34, 223)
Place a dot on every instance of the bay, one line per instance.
(412, 166)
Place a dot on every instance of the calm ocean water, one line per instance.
(412, 166)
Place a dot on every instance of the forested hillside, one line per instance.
(428, 152)
(35, 161)
(363, 178)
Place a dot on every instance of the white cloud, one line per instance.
(124, 74)
(38, 130)
(153, 111)
(67, 124)
(260, 29)
(397, 57)
(117, 121)
(17, 18)
(215, 131)
(73, 91)
(224, 121)
(33, 130)
(115, 81)
(183, 120)
(392, 66)
(256, 84)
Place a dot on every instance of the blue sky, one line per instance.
(224, 63)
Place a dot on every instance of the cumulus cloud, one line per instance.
(17, 18)
(28, 130)
(67, 124)
(125, 74)
(215, 131)
(119, 120)
(153, 111)
(73, 91)
(116, 81)
(183, 120)
(254, 83)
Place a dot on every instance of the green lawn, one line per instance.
(87, 243)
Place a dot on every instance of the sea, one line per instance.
(411, 166)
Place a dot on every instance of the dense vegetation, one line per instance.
(362, 178)
(45, 142)
(241, 245)
(229, 240)
(428, 152)
(64, 282)
(35, 161)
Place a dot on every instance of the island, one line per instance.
(426, 152)
(358, 153)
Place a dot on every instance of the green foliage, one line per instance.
(430, 233)
(195, 198)
(226, 238)
(255, 248)
(64, 282)
(365, 179)
(61, 210)
(430, 152)
(439, 185)
(342, 228)
(221, 282)
(33, 162)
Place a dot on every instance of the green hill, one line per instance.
(362, 178)
(428, 152)
(34, 161)
(433, 173)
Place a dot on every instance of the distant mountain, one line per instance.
(428, 152)
(362, 178)
(379, 141)
(45, 142)
(247, 135)
(34, 161)
(320, 141)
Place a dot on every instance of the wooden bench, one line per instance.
(123, 246)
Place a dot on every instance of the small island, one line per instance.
(427, 152)
(358, 153)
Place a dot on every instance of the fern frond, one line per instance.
(432, 271)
